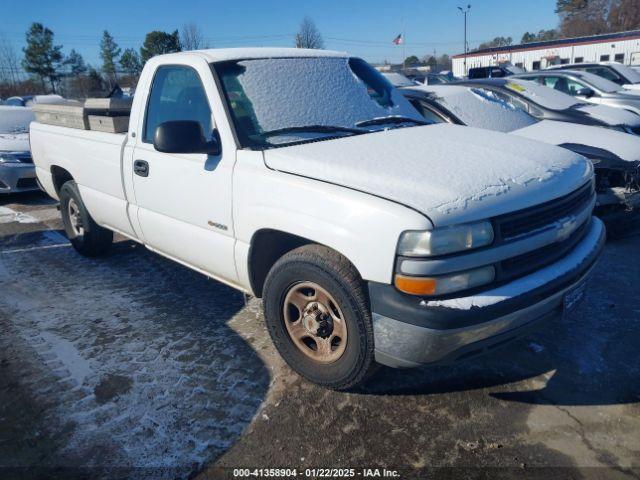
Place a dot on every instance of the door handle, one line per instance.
(141, 168)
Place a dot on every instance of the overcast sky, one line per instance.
(362, 27)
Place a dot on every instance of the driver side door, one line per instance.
(184, 200)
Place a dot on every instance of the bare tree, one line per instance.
(309, 36)
(192, 38)
(9, 62)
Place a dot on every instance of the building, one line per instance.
(622, 47)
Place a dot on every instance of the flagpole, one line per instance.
(404, 47)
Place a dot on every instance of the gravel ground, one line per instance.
(133, 366)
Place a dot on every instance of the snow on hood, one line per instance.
(14, 128)
(14, 142)
(622, 144)
(450, 173)
(610, 115)
(15, 119)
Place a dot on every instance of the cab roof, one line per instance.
(225, 54)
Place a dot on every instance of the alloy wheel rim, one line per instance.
(75, 219)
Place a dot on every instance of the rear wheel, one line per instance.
(318, 316)
(86, 236)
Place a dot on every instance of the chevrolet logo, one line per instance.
(566, 227)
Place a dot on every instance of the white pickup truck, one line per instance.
(303, 177)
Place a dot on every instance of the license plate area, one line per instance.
(574, 297)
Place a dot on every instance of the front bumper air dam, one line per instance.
(482, 321)
(11, 173)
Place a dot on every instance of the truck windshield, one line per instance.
(282, 101)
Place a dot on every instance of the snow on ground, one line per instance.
(149, 369)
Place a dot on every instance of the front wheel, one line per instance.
(86, 236)
(318, 316)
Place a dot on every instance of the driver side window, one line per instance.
(177, 94)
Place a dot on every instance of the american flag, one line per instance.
(398, 40)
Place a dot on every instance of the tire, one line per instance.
(332, 275)
(86, 236)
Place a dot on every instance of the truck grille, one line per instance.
(536, 259)
(512, 225)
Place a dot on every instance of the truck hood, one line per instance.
(450, 173)
(625, 146)
(14, 142)
(610, 115)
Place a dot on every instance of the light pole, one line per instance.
(464, 12)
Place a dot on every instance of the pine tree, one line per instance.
(76, 64)
(109, 52)
(158, 42)
(41, 56)
(130, 62)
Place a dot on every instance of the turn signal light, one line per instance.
(415, 285)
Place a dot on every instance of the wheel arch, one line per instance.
(59, 176)
(267, 246)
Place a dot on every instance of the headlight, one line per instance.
(445, 240)
(9, 158)
(444, 284)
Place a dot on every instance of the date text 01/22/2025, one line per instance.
(315, 473)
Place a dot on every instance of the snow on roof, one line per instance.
(223, 54)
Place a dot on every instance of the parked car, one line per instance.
(438, 79)
(615, 72)
(549, 104)
(303, 177)
(498, 71)
(17, 173)
(616, 155)
(15, 102)
(588, 87)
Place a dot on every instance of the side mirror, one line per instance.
(585, 92)
(184, 136)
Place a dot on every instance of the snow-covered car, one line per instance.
(618, 73)
(17, 173)
(398, 79)
(548, 104)
(303, 177)
(616, 155)
(588, 87)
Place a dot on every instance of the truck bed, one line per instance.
(83, 153)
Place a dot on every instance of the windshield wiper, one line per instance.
(314, 128)
(390, 119)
